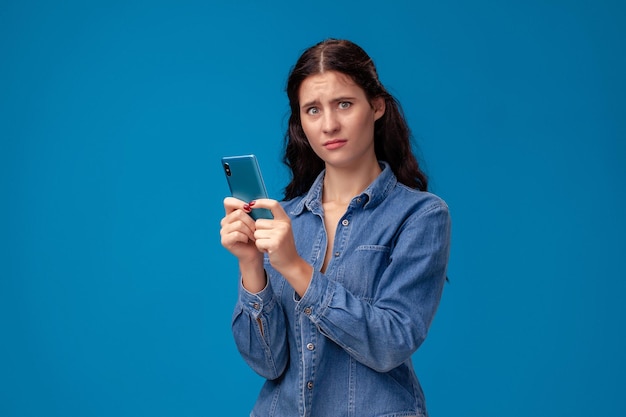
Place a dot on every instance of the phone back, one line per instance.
(245, 181)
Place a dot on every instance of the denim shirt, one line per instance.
(344, 348)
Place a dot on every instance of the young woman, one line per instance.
(339, 289)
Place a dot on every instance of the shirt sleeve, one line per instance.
(259, 330)
(385, 332)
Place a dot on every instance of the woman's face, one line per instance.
(338, 119)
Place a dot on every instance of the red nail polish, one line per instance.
(252, 203)
(246, 207)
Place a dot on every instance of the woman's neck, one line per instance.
(341, 185)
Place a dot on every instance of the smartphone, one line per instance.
(246, 182)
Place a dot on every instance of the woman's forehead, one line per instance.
(328, 82)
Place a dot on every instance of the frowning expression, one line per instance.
(338, 119)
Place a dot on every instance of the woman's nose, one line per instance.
(330, 123)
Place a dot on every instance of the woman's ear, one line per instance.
(378, 104)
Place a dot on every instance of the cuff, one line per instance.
(254, 304)
(317, 297)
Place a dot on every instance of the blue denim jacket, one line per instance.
(344, 348)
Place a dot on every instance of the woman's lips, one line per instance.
(334, 144)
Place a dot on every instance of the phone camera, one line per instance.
(227, 169)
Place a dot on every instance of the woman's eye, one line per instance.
(312, 111)
(344, 104)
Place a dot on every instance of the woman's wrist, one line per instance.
(298, 274)
(253, 276)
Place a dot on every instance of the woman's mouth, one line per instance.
(334, 144)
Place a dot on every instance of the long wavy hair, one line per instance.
(392, 136)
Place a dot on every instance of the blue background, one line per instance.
(115, 294)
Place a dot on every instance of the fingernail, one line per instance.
(252, 203)
(246, 207)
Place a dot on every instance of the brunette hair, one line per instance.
(392, 137)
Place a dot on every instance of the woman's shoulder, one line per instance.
(417, 201)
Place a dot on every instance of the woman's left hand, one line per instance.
(275, 238)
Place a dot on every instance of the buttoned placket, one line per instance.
(343, 232)
(308, 330)
(307, 351)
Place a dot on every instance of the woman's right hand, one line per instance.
(237, 231)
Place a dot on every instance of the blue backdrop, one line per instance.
(115, 294)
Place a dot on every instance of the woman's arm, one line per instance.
(260, 332)
(386, 331)
(257, 316)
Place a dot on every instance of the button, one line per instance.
(309, 385)
(308, 311)
(310, 346)
(256, 306)
(336, 254)
(345, 222)
(358, 200)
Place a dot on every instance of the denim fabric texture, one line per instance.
(344, 348)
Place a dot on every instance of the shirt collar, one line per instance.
(376, 192)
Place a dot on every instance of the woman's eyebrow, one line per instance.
(344, 98)
(334, 100)
(310, 103)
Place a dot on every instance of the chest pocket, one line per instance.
(361, 270)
